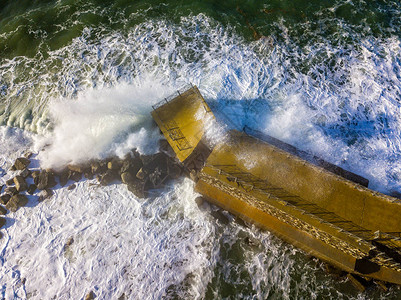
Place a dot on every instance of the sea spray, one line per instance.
(100, 123)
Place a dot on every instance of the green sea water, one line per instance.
(336, 62)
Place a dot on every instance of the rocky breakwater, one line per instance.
(141, 173)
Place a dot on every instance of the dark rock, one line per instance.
(220, 216)
(131, 165)
(16, 202)
(74, 176)
(137, 187)
(114, 164)
(141, 174)
(10, 182)
(45, 180)
(109, 177)
(95, 167)
(199, 201)
(194, 175)
(35, 176)
(71, 187)
(174, 170)
(2, 222)
(165, 147)
(28, 154)
(1, 188)
(88, 175)
(11, 190)
(25, 173)
(20, 183)
(3, 210)
(77, 168)
(21, 163)
(13, 168)
(128, 178)
(63, 176)
(44, 194)
(90, 296)
(4, 198)
(157, 178)
(31, 189)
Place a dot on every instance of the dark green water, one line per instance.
(323, 75)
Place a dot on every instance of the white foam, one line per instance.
(103, 92)
(101, 123)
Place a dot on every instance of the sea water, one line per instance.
(78, 80)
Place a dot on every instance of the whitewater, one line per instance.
(98, 104)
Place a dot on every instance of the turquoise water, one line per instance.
(322, 75)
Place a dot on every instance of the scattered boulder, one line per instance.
(28, 154)
(88, 175)
(1, 187)
(132, 165)
(35, 176)
(141, 174)
(95, 167)
(21, 163)
(10, 182)
(114, 164)
(218, 214)
(199, 201)
(74, 176)
(2, 222)
(5, 198)
(44, 194)
(174, 171)
(194, 175)
(77, 168)
(20, 183)
(3, 211)
(137, 187)
(90, 296)
(11, 190)
(31, 189)
(25, 173)
(128, 178)
(63, 176)
(16, 202)
(71, 187)
(45, 180)
(109, 177)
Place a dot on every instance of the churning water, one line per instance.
(77, 81)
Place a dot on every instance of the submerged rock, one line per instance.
(20, 183)
(21, 163)
(16, 202)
